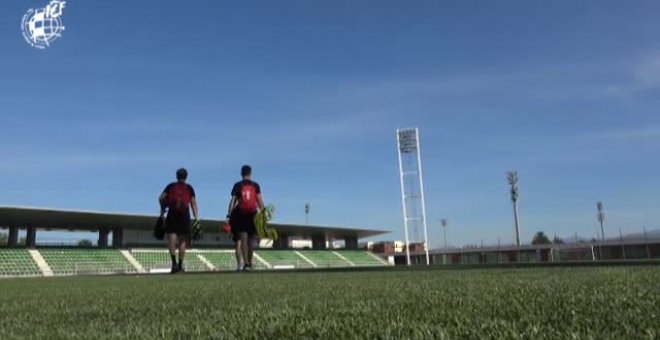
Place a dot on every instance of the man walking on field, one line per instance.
(177, 199)
(245, 202)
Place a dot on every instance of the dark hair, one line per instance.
(181, 174)
(246, 170)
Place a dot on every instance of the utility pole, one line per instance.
(512, 178)
(444, 224)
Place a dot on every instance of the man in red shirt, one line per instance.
(177, 199)
(245, 202)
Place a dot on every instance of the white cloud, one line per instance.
(647, 73)
(310, 140)
(634, 134)
(642, 74)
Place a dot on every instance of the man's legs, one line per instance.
(183, 243)
(171, 239)
(239, 255)
(245, 245)
(249, 238)
(252, 242)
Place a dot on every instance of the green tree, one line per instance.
(540, 238)
(84, 243)
(3, 239)
(557, 240)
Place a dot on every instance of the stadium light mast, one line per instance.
(623, 246)
(412, 186)
(512, 178)
(307, 208)
(601, 219)
(646, 240)
(444, 224)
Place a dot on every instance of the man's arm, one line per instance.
(260, 199)
(193, 204)
(232, 205)
(234, 201)
(161, 201)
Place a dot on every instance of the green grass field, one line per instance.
(531, 303)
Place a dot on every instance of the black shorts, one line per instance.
(242, 223)
(177, 224)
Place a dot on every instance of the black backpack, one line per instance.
(159, 229)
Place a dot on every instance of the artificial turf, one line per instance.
(527, 303)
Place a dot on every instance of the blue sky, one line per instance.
(310, 93)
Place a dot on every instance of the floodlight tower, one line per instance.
(444, 224)
(512, 177)
(601, 219)
(307, 208)
(412, 186)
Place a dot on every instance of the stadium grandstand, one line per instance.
(126, 245)
(583, 251)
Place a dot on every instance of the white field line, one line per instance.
(41, 262)
(207, 262)
(378, 258)
(306, 259)
(343, 258)
(133, 261)
(264, 262)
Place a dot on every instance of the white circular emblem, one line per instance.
(42, 26)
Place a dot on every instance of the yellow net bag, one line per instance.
(261, 223)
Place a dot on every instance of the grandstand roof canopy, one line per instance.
(54, 219)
